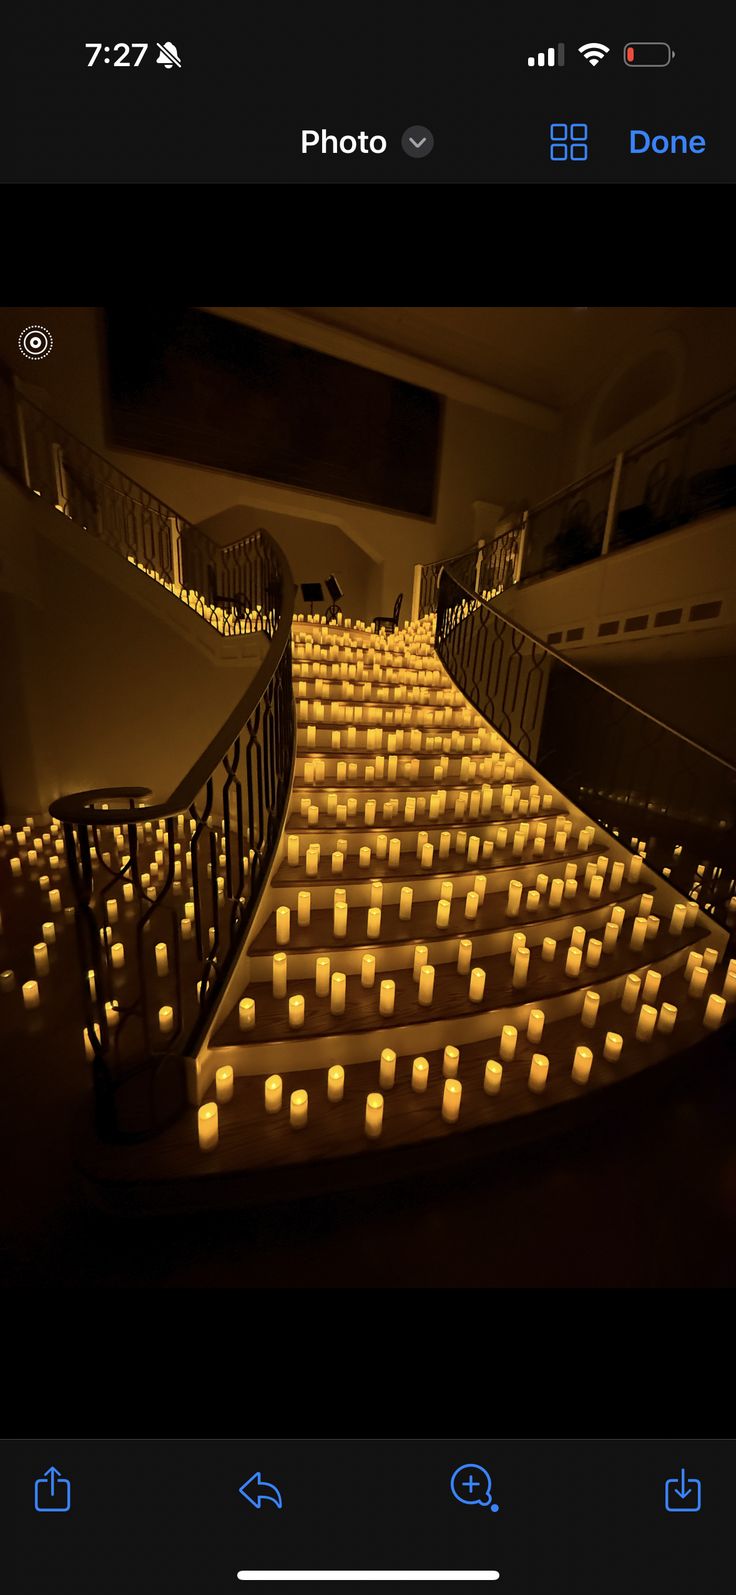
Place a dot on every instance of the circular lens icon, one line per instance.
(35, 343)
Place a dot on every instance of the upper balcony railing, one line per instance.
(487, 567)
(663, 794)
(227, 586)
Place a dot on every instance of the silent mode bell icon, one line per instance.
(168, 56)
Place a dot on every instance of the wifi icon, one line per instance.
(593, 52)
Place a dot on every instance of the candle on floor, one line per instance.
(386, 998)
(581, 1065)
(162, 958)
(41, 958)
(714, 1011)
(272, 1091)
(207, 1126)
(405, 902)
(450, 1062)
(492, 1077)
(630, 995)
(283, 924)
(698, 980)
(451, 1101)
(166, 1019)
(638, 934)
(387, 1070)
(573, 961)
(335, 1083)
(426, 985)
(296, 1012)
(667, 1018)
(298, 1109)
(646, 1022)
(650, 989)
(612, 1046)
(419, 1074)
(589, 1012)
(279, 974)
(117, 955)
(514, 899)
(538, 1072)
(535, 1024)
(224, 1083)
(338, 986)
(322, 976)
(477, 985)
(373, 1114)
(54, 900)
(30, 994)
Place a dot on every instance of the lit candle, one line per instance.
(508, 1043)
(386, 998)
(593, 954)
(617, 874)
(729, 984)
(612, 1046)
(7, 980)
(292, 850)
(464, 955)
(596, 887)
(303, 908)
(451, 1101)
(322, 977)
(492, 1078)
(272, 1093)
(573, 961)
(312, 859)
(15, 866)
(376, 894)
(337, 861)
(591, 1002)
(694, 959)
(117, 955)
(373, 1114)
(207, 1126)
(41, 958)
(246, 1013)
(556, 891)
(367, 970)
(646, 1022)
(630, 995)
(112, 911)
(162, 958)
(714, 1011)
(650, 989)
(538, 1071)
(514, 899)
(283, 922)
(667, 1018)
(129, 894)
(698, 980)
(477, 985)
(337, 993)
(535, 1024)
(610, 938)
(387, 1071)
(419, 1074)
(335, 1083)
(646, 904)
(450, 1062)
(532, 902)
(279, 974)
(521, 967)
(48, 931)
(394, 852)
(298, 1109)
(296, 1012)
(426, 985)
(635, 867)
(652, 927)
(224, 1083)
(443, 913)
(582, 1064)
(30, 994)
(405, 902)
(549, 947)
(374, 923)
(166, 1019)
(54, 900)
(340, 920)
(577, 937)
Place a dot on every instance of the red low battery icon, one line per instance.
(648, 54)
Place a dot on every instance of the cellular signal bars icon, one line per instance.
(550, 57)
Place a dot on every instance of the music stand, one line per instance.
(335, 591)
(312, 594)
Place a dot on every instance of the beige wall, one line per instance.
(485, 456)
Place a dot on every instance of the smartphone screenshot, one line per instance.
(380, 93)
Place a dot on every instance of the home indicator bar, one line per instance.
(367, 1577)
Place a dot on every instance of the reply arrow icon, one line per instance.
(255, 1490)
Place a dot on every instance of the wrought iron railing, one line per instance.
(486, 567)
(229, 587)
(165, 892)
(659, 791)
(568, 527)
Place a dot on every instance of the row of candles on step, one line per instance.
(404, 739)
(350, 692)
(475, 804)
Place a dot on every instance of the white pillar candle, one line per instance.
(593, 952)
(376, 894)
(532, 901)
(617, 875)
(617, 915)
(426, 985)
(638, 934)
(335, 1083)
(451, 1101)
(581, 1065)
(381, 846)
(650, 989)
(646, 904)
(589, 1012)
(292, 850)
(112, 911)
(296, 1012)
(691, 913)
(698, 980)
(635, 867)
(630, 995)
(340, 920)
(549, 948)
(303, 908)
(364, 858)
(514, 899)
(450, 1062)
(312, 859)
(419, 1074)
(443, 913)
(508, 1043)
(30, 994)
(492, 1077)
(162, 958)
(652, 927)
(612, 1046)
(15, 866)
(337, 861)
(224, 1083)
(471, 905)
(207, 1126)
(420, 958)
(694, 959)
(7, 980)
(573, 961)
(521, 967)
(444, 847)
(129, 894)
(667, 1018)
(556, 892)
(394, 852)
(714, 1011)
(272, 1091)
(298, 1109)
(535, 1025)
(367, 970)
(646, 1022)
(577, 936)
(464, 955)
(477, 985)
(373, 1114)
(369, 811)
(610, 938)
(729, 984)
(166, 1019)
(386, 998)
(246, 1013)
(387, 1070)
(322, 976)
(283, 925)
(54, 900)
(338, 985)
(279, 974)
(538, 1072)
(374, 923)
(710, 957)
(117, 955)
(41, 958)
(405, 902)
